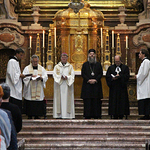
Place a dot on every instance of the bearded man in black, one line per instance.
(91, 93)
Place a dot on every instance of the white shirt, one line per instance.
(13, 79)
(143, 80)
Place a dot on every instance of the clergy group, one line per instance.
(34, 77)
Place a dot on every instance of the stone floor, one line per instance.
(78, 133)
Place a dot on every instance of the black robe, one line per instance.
(91, 90)
(118, 95)
(92, 93)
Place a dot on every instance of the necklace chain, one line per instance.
(92, 71)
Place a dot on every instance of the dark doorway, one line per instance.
(4, 57)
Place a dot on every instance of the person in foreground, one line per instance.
(14, 109)
(5, 127)
(13, 134)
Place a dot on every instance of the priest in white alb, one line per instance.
(34, 82)
(63, 103)
(143, 85)
(14, 78)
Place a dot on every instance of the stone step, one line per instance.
(80, 116)
(85, 134)
(84, 128)
(79, 102)
(74, 140)
(87, 122)
(90, 146)
(133, 110)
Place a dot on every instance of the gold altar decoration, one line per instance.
(77, 33)
(118, 47)
(49, 64)
(107, 52)
(38, 53)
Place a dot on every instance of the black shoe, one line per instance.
(29, 117)
(87, 118)
(146, 117)
(121, 116)
(36, 117)
(115, 117)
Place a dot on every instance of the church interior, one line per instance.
(48, 28)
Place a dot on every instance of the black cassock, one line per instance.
(118, 95)
(92, 93)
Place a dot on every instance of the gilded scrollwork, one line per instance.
(136, 4)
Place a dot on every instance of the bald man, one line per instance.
(117, 77)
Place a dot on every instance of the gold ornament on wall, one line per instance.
(107, 52)
(49, 64)
(38, 48)
(118, 47)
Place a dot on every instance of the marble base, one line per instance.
(122, 27)
(143, 21)
(35, 26)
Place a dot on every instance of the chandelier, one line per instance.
(76, 5)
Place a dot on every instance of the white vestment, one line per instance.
(63, 102)
(27, 86)
(13, 79)
(143, 80)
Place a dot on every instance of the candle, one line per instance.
(101, 38)
(30, 41)
(126, 41)
(43, 38)
(55, 37)
(112, 38)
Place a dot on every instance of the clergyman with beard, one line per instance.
(91, 93)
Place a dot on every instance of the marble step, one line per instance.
(87, 122)
(81, 140)
(133, 110)
(82, 134)
(79, 102)
(85, 128)
(98, 146)
(80, 116)
(95, 134)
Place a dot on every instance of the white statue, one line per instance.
(144, 13)
(8, 7)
